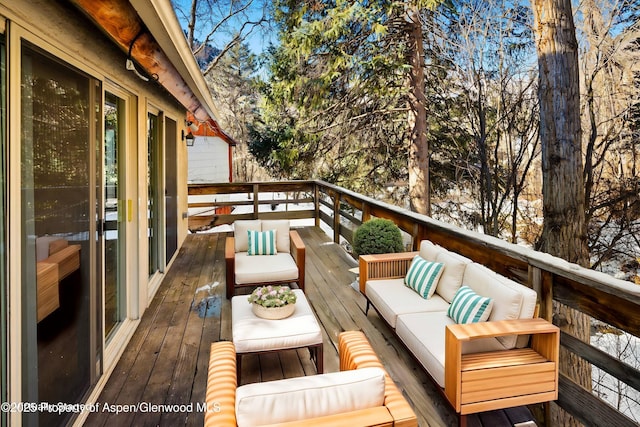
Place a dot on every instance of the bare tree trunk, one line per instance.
(564, 230)
(192, 24)
(419, 193)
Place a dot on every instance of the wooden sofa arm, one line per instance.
(221, 386)
(479, 382)
(230, 264)
(384, 266)
(298, 251)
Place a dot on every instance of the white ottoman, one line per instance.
(252, 334)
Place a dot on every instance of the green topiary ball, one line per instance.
(377, 236)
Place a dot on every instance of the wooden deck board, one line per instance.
(166, 359)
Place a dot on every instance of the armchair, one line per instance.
(356, 356)
(244, 269)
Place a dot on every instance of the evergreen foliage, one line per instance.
(335, 104)
(377, 236)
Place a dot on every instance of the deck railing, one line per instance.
(608, 300)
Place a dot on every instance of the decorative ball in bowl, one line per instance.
(273, 302)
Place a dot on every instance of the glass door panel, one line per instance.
(171, 189)
(57, 119)
(3, 243)
(153, 185)
(114, 294)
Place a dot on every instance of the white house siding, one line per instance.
(208, 160)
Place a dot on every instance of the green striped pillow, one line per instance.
(423, 276)
(262, 242)
(469, 307)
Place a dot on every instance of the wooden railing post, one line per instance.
(316, 203)
(366, 212)
(336, 217)
(256, 204)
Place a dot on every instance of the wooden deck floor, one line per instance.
(166, 361)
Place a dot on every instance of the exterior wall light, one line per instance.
(190, 139)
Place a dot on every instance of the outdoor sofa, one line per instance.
(503, 358)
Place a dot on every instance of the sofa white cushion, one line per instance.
(282, 227)
(451, 280)
(423, 334)
(469, 307)
(508, 296)
(265, 268)
(240, 232)
(391, 298)
(527, 310)
(261, 242)
(423, 276)
(429, 250)
(251, 333)
(301, 398)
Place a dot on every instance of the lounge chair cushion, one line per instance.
(265, 269)
(241, 228)
(423, 276)
(392, 298)
(301, 398)
(282, 226)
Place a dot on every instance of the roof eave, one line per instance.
(162, 22)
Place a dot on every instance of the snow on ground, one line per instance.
(615, 392)
(278, 205)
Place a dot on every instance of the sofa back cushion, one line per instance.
(508, 296)
(301, 398)
(451, 279)
(240, 233)
(283, 244)
(429, 250)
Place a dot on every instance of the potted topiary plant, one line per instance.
(377, 236)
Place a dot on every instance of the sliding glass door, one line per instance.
(58, 164)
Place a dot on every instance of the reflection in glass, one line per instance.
(114, 113)
(56, 215)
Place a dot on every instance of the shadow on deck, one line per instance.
(165, 363)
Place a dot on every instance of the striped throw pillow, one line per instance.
(262, 242)
(423, 276)
(469, 307)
